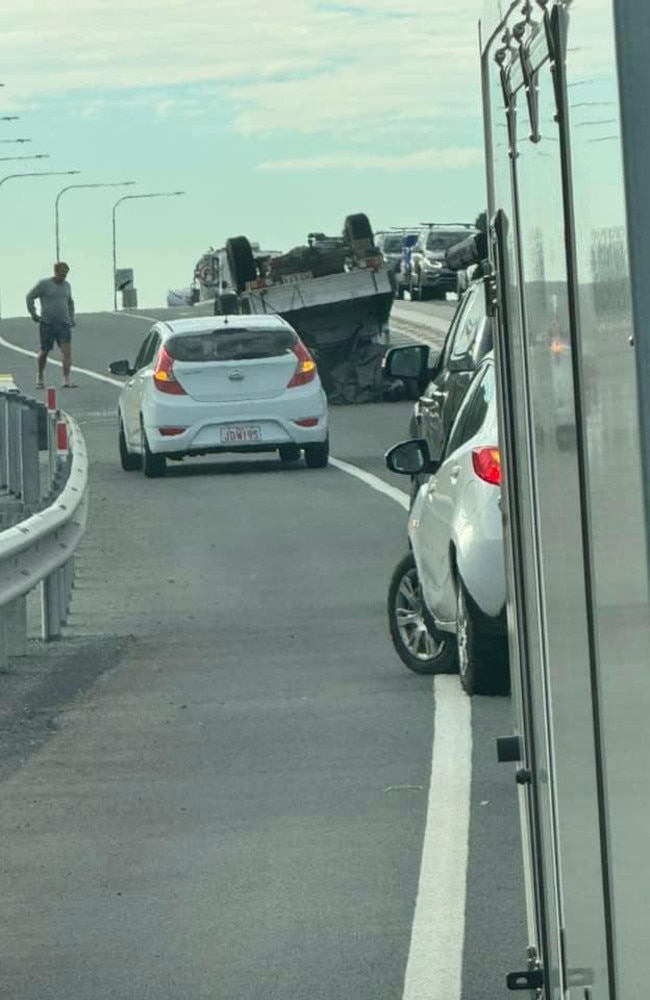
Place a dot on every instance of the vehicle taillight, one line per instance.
(487, 465)
(163, 376)
(305, 369)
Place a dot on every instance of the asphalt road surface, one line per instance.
(218, 785)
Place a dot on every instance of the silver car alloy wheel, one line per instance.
(411, 625)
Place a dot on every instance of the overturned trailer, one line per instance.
(337, 294)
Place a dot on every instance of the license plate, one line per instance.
(241, 434)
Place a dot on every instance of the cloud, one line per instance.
(423, 160)
(299, 65)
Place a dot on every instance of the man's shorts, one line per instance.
(54, 333)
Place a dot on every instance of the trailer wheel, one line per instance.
(419, 648)
(482, 656)
(240, 261)
(357, 227)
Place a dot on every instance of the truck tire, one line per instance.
(226, 304)
(357, 227)
(240, 261)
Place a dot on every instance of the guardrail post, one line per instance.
(14, 445)
(51, 606)
(4, 649)
(30, 479)
(4, 442)
(52, 416)
(16, 627)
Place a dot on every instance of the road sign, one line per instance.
(123, 278)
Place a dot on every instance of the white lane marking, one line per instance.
(53, 361)
(149, 319)
(374, 482)
(435, 963)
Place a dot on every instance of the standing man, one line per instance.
(56, 320)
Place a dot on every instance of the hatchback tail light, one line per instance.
(486, 463)
(305, 369)
(163, 375)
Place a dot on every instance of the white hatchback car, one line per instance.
(447, 597)
(221, 384)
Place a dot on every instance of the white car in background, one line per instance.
(447, 597)
(221, 384)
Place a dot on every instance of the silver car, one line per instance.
(447, 596)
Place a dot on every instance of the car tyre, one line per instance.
(154, 466)
(420, 648)
(128, 460)
(289, 452)
(482, 656)
(317, 455)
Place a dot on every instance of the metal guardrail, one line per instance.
(46, 523)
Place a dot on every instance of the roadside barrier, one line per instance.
(43, 511)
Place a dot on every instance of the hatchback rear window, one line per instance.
(231, 344)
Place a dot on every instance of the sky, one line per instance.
(275, 119)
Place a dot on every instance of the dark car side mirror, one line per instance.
(120, 368)
(407, 362)
(410, 458)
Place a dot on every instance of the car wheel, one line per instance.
(153, 466)
(317, 455)
(421, 649)
(128, 460)
(482, 657)
(289, 452)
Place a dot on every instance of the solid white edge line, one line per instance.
(53, 361)
(434, 968)
(435, 961)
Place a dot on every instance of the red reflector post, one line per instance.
(61, 436)
(486, 463)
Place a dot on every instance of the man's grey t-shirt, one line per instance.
(57, 305)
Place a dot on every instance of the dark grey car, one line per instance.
(428, 273)
(442, 380)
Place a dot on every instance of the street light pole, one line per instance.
(69, 188)
(131, 197)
